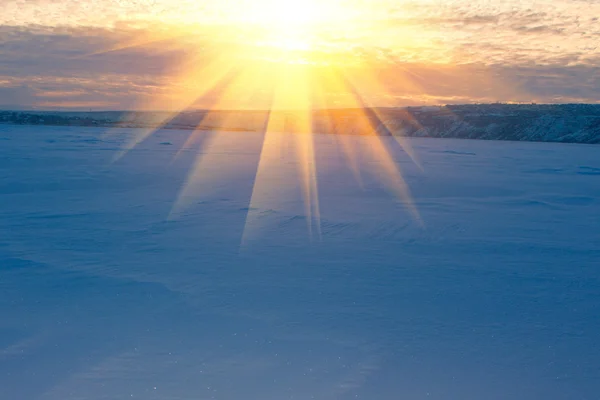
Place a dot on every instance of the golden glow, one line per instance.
(280, 64)
(279, 26)
(288, 14)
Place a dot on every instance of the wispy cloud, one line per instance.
(115, 52)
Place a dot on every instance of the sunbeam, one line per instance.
(194, 82)
(289, 127)
(209, 167)
(391, 172)
(302, 92)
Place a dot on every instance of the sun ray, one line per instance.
(300, 87)
(391, 172)
(280, 65)
(209, 166)
(336, 120)
(193, 83)
(241, 90)
(289, 127)
(140, 39)
(369, 81)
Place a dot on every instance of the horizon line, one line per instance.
(195, 110)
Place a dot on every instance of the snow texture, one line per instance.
(494, 296)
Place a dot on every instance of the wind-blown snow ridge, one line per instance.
(569, 123)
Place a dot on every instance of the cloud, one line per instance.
(403, 84)
(64, 52)
(16, 96)
(71, 52)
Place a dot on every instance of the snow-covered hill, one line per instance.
(572, 123)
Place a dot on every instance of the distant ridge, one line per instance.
(568, 123)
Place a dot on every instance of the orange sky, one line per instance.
(130, 54)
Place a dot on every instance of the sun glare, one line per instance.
(289, 14)
(291, 25)
(277, 62)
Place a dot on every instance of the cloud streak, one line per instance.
(112, 53)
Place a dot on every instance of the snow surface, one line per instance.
(495, 296)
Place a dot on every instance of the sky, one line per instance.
(154, 54)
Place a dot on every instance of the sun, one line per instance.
(287, 31)
(289, 14)
(289, 24)
(295, 25)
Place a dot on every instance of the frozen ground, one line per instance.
(496, 296)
